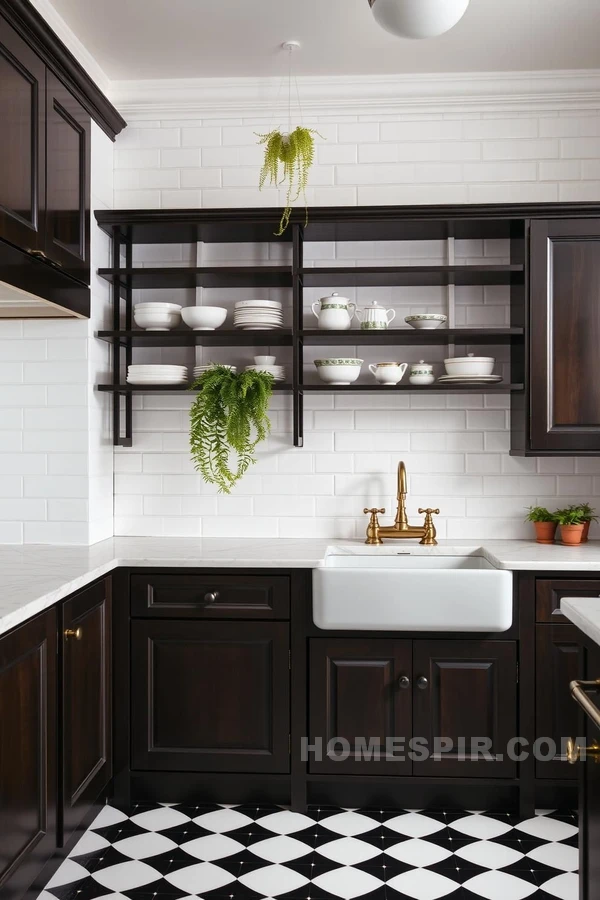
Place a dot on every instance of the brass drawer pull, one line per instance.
(578, 691)
(76, 633)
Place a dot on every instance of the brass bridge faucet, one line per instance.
(401, 529)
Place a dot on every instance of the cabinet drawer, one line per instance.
(549, 592)
(211, 596)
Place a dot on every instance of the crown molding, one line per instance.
(393, 95)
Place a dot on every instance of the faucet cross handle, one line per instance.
(429, 537)
(373, 536)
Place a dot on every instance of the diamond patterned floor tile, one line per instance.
(251, 852)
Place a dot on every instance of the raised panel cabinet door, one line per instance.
(465, 690)
(565, 335)
(22, 141)
(27, 753)
(87, 707)
(210, 696)
(68, 161)
(557, 717)
(550, 591)
(360, 706)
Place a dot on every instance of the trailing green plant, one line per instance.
(228, 419)
(288, 158)
(539, 514)
(585, 512)
(571, 515)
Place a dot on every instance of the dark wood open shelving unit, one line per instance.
(370, 224)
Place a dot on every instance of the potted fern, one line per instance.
(571, 524)
(544, 523)
(228, 419)
(288, 158)
(587, 515)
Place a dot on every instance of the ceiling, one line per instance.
(142, 39)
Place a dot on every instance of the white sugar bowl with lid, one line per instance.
(335, 313)
(375, 317)
(421, 373)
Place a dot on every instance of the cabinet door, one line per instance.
(550, 591)
(360, 699)
(558, 662)
(465, 690)
(565, 335)
(22, 142)
(210, 696)
(87, 708)
(27, 753)
(67, 181)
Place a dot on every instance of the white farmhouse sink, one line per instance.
(406, 592)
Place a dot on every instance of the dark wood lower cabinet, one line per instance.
(27, 753)
(210, 696)
(465, 690)
(558, 662)
(86, 698)
(360, 699)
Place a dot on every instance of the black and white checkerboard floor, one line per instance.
(175, 852)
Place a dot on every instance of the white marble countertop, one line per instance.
(34, 577)
(585, 613)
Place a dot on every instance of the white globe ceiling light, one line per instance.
(418, 19)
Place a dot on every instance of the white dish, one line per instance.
(425, 321)
(338, 370)
(470, 365)
(470, 379)
(134, 380)
(258, 304)
(155, 304)
(204, 318)
(259, 327)
(156, 319)
(264, 360)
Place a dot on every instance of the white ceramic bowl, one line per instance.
(426, 320)
(421, 379)
(264, 360)
(338, 371)
(156, 319)
(204, 318)
(470, 365)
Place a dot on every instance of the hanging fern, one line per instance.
(288, 158)
(229, 416)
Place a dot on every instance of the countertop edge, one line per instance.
(583, 612)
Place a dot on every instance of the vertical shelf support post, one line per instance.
(297, 342)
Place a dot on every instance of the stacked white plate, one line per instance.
(157, 374)
(470, 379)
(199, 370)
(278, 372)
(258, 315)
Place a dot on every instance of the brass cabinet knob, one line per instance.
(576, 754)
(76, 633)
(404, 682)
(211, 597)
(422, 682)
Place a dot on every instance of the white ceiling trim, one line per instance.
(473, 92)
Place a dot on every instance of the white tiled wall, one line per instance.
(455, 446)
(56, 461)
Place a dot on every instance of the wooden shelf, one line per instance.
(497, 388)
(412, 336)
(409, 276)
(219, 338)
(164, 388)
(176, 277)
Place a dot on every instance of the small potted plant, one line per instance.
(587, 515)
(543, 522)
(571, 525)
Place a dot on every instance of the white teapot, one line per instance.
(375, 317)
(334, 313)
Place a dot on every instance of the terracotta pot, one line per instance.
(571, 534)
(545, 532)
(586, 531)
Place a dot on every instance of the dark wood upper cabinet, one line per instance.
(86, 696)
(68, 178)
(210, 696)
(361, 693)
(23, 142)
(27, 752)
(565, 336)
(465, 689)
(557, 716)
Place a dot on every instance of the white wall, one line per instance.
(455, 446)
(55, 446)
